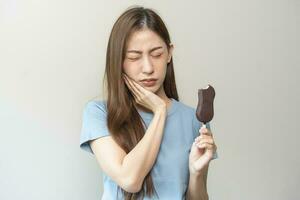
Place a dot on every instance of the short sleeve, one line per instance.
(93, 124)
(196, 127)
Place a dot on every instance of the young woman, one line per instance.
(147, 143)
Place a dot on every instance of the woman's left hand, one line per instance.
(202, 151)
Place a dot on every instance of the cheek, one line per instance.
(130, 69)
(127, 67)
(162, 71)
(160, 63)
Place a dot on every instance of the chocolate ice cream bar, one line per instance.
(205, 107)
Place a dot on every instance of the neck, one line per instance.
(161, 93)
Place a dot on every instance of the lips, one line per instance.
(149, 82)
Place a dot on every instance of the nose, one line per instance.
(147, 66)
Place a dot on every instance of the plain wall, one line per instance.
(52, 58)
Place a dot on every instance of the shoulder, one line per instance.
(189, 113)
(186, 109)
(95, 106)
(94, 124)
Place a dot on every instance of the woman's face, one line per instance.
(147, 57)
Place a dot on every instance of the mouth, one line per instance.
(149, 82)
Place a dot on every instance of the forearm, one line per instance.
(197, 189)
(141, 158)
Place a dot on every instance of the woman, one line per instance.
(146, 142)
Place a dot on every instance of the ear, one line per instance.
(170, 52)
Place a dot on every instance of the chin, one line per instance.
(152, 89)
(156, 89)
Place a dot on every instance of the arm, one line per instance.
(129, 170)
(197, 189)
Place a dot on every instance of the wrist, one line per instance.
(161, 110)
(198, 173)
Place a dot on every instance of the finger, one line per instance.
(140, 89)
(206, 146)
(138, 86)
(131, 89)
(205, 131)
(206, 140)
(197, 139)
(203, 136)
(128, 84)
(132, 83)
(131, 86)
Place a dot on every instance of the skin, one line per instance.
(147, 56)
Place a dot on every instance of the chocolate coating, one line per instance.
(205, 107)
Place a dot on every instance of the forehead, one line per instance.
(144, 39)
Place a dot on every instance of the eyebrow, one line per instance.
(139, 52)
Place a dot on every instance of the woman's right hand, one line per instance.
(143, 96)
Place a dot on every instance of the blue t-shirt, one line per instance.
(170, 172)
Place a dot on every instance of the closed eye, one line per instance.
(157, 56)
(133, 58)
(136, 58)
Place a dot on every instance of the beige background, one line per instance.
(52, 56)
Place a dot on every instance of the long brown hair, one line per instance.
(123, 120)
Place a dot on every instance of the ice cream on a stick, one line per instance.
(205, 107)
